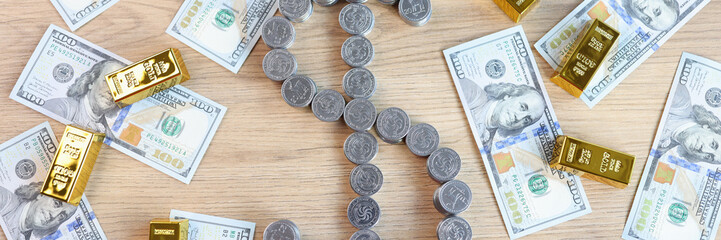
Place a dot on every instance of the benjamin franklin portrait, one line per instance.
(660, 15)
(28, 213)
(502, 108)
(89, 102)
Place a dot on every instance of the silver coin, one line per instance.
(387, 2)
(281, 229)
(360, 114)
(278, 32)
(453, 197)
(298, 90)
(422, 139)
(357, 51)
(366, 179)
(296, 10)
(359, 83)
(356, 19)
(415, 12)
(360, 147)
(443, 165)
(328, 105)
(454, 228)
(365, 234)
(364, 212)
(356, 1)
(279, 64)
(392, 125)
(326, 3)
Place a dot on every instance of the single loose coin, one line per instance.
(422, 139)
(443, 165)
(279, 64)
(296, 10)
(360, 147)
(364, 212)
(387, 2)
(366, 179)
(360, 114)
(365, 234)
(454, 228)
(356, 1)
(326, 3)
(328, 105)
(356, 19)
(392, 125)
(359, 83)
(298, 91)
(278, 32)
(357, 51)
(415, 12)
(453, 197)
(281, 229)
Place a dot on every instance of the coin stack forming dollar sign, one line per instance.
(359, 83)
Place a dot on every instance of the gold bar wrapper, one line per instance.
(73, 162)
(585, 56)
(147, 77)
(592, 161)
(168, 229)
(516, 9)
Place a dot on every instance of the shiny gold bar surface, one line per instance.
(587, 53)
(147, 77)
(168, 229)
(73, 162)
(516, 9)
(592, 161)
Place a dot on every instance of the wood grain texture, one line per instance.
(270, 161)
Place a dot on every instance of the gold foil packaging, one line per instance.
(73, 162)
(147, 77)
(516, 9)
(168, 229)
(584, 58)
(592, 161)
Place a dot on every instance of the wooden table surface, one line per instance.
(269, 161)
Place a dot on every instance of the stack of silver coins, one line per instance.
(443, 165)
(415, 12)
(281, 229)
(296, 10)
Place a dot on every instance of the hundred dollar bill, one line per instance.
(65, 80)
(515, 128)
(644, 26)
(223, 30)
(77, 13)
(204, 227)
(27, 214)
(678, 196)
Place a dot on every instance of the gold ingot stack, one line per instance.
(147, 77)
(516, 9)
(72, 165)
(168, 229)
(584, 58)
(592, 161)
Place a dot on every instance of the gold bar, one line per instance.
(587, 53)
(168, 229)
(592, 161)
(147, 77)
(73, 162)
(516, 9)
